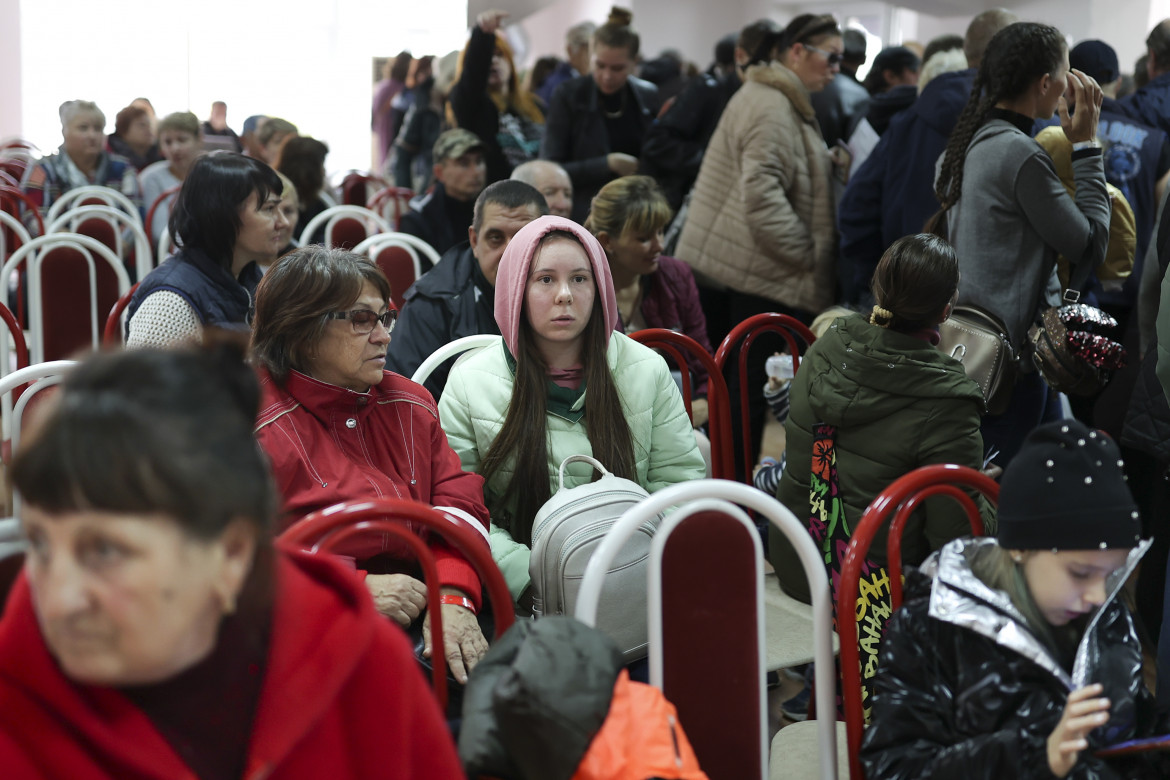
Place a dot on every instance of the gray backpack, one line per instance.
(566, 531)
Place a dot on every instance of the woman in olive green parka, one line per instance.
(896, 401)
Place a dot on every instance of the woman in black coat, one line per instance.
(596, 123)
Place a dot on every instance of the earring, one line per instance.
(229, 603)
(1018, 558)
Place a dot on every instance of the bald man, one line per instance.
(551, 181)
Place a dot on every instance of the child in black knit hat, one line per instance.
(1013, 656)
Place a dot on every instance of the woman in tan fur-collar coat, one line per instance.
(761, 221)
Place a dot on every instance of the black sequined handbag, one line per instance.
(1071, 357)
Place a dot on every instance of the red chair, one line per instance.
(112, 227)
(165, 197)
(398, 255)
(739, 341)
(391, 203)
(678, 346)
(346, 227)
(13, 201)
(358, 187)
(333, 527)
(72, 279)
(899, 500)
(114, 333)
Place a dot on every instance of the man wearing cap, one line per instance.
(248, 136)
(441, 216)
(457, 297)
(1136, 156)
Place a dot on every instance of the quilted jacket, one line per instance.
(476, 401)
(761, 215)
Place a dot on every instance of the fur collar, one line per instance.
(779, 77)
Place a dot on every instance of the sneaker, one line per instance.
(796, 708)
(798, 673)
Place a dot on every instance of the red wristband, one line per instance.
(458, 601)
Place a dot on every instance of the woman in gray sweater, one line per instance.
(1007, 213)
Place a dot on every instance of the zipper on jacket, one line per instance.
(674, 741)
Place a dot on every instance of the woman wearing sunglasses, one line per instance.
(761, 229)
(338, 427)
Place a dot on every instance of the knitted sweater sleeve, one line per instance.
(164, 320)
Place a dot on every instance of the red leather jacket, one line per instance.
(342, 697)
(328, 444)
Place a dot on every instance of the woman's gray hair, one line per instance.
(71, 108)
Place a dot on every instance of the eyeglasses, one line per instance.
(832, 57)
(363, 319)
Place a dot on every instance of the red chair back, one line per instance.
(114, 333)
(336, 526)
(20, 346)
(677, 346)
(66, 300)
(164, 197)
(345, 233)
(398, 265)
(900, 500)
(391, 203)
(739, 342)
(12, 200)
(356, 188)
(704, 628)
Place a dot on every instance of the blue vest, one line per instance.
(218, 299)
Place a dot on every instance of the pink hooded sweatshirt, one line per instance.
(512, 276)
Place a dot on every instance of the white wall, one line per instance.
(10, 113)
(305, 60)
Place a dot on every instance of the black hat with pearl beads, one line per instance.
(1065, 490)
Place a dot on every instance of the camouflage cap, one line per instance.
(455, 143)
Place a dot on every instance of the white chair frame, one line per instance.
(723, 495)
(122, 223)
(34, 252)
(9, 221)
(108, 195)
(165, 244)
(40, 377)
(412, 244)
(331, 215)
(449, 350)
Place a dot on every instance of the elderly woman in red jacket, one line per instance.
(338, 427)
(156, 633)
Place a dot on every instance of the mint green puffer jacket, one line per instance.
(476, 399)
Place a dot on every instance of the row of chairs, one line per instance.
(709, 647)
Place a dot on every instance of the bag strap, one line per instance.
(582, 459)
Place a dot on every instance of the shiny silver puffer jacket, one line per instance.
(964, 690)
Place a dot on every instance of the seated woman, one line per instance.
(134, 138)
(156, 632)
(489, 100)
(337, 427)
(79, 162)
(628, 217)
(515, 410)
(225, 221)
(302, 160)
(1015, 656)
(896, 403)
(181, 141)
(290, 207)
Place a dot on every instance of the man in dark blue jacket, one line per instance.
(1151, 103)
(456, 298)
(892, 194)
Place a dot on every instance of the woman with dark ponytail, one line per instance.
(1003, 206)
(895, 401)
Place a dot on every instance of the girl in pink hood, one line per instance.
(514, 411)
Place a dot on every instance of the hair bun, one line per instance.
(881, 317)
(620, 16)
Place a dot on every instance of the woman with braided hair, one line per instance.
(1004, 207)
